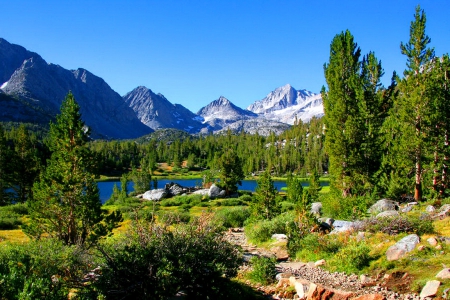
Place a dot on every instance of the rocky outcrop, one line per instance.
(402, 247)
(383, 205)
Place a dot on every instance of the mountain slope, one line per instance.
(42, 87)
(285, 104)
(155, 111)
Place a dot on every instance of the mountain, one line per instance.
(285, 104)
(39, 87)
(155, 111)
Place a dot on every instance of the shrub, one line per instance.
(314, 246)
(261, 231)
(233, 217)
(346, 208)
(44, 269)
(233, 202)
(396, 225)
(352, 258)
(154, 262)
(9, 218)
(173, 217)
(263, 269)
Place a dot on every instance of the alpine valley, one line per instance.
(32, 91)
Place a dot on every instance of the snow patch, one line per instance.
(4, 85)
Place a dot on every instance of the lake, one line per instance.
(106, 187)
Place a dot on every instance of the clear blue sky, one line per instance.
(194, 51)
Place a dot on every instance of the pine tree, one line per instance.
(414, 109)
(314, 185)
(229, 166)
(344, 126)
(265, 199)
(66, 202)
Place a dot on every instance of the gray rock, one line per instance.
(430, 289)
(215, 191)
(383, 205)
(387, 214)
(402, 247)
(175, 189)
(444, 274)
(155, 195)
(279, 237)
(342, 226)
(203, 192)
(407, 208)
(430, 208)
(316, 208)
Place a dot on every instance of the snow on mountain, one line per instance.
(285, 103)
(222, 108)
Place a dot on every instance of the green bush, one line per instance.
(352, 258)
(261, 231)
(263, 269)
(233, 202)
(44, 269)
(313, 247)
(233, 217)
(346, 208)
(173, 217)
(9, 218)
(154, 262)
(398, 224)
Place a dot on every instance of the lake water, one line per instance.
(106, 187)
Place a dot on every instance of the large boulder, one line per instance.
(316, 208)
(383, 205)
(215, 192)
(175, 189)
(402, 247)
(155, 195)
(342, 226)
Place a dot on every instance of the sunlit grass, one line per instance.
(13, 236)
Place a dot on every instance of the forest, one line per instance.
(373, 142)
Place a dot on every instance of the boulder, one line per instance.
(430, 289)
(320, 292)
(155, 195)
(342, 226)
(402, 247)
(203, 192)
(301, 286)
(383, 205)
(430, 209)
(407, 208)
(444, 274)
(175, 189)
(387, 214)
(432, 241)
(215, 191)
(281, 237)
(316, 208)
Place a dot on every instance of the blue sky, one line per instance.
(194, 51)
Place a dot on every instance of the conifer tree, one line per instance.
(414, 108)
(229, 166)
(344, 131)
(265, 200)
(66, 202)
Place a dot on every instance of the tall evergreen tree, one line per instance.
(414, 109)
(230, 171)
(344, 130)
(66, 202)
(265, 200)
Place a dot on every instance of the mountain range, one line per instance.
(32, 91)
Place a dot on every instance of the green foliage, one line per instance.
(397, 225)
(66, 202)
(352, 258)
(41, 270)
(229, 166)
(262, 230)
(313, 246)
(173, 217)
(156, 262)
(346, 208)
(314, 187)
(263, 269)
(265, 203)
(233, 217)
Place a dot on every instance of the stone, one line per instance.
(430, 289)
(320, 292)
(383, 205)
(387, 214)
(155, 195)
(279, 276)
(214, 191)
(301, 286)
(316, 208)
(366, 280)
(283, 283)
(281, 237)
(280, 253)
(430, 208)
(342, 226)
(203, 192)
(370, 297)
(175, 189)
(320, 262)
(432, 241)
(407, 208)
(402, 247)
(444, 274)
